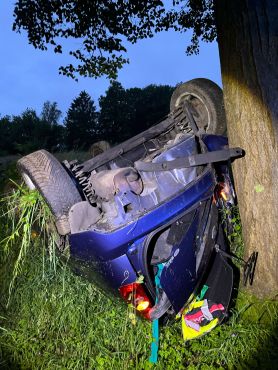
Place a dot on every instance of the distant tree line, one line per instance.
(122, 114)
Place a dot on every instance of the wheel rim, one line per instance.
(28, 181)
(200, 110)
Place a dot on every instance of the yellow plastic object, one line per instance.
(188, 331)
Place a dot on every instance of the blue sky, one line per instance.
(29, 77)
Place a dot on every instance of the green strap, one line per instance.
(155, 324)
(202, 293)
(155, 342)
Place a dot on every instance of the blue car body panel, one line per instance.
(118, 255)
(215, 142)
(178, 278)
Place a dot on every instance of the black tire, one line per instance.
(206, 98)
(41, 170)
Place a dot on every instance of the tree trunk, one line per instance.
(248, 46)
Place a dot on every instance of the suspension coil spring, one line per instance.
(83, 181)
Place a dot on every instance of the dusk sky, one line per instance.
(29, 77)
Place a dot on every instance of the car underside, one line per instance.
(149, 204)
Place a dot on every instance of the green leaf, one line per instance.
(259, 188)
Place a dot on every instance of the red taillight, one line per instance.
(135, 294)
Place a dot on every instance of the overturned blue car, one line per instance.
(151, 205)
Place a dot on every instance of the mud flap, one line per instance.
(220, 281)
(210, 308)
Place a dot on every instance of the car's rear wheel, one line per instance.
(42, 171)
(206, 100)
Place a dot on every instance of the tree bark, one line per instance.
(248, 46)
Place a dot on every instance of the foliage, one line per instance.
(105, 27)
(56, 320)
(6, 135)
(28, 132)
(81, 122)
(149, 105)
(127, 112)
(8, 171)
(30, 218)
(74, 322)
(50, 113)
(123, 114)
(114, 112)
(233, 229)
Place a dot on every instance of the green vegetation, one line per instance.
(233, 230)
(123, 113)
(106, 28)
(127, 112)
(53, 319)
(28, 132)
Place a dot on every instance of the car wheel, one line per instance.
(206, 99)
(42, 171)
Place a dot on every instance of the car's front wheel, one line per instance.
(42, 171)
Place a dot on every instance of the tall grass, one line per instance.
(52, 318)
(29, 218)
(63, 322)
(57, 320)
